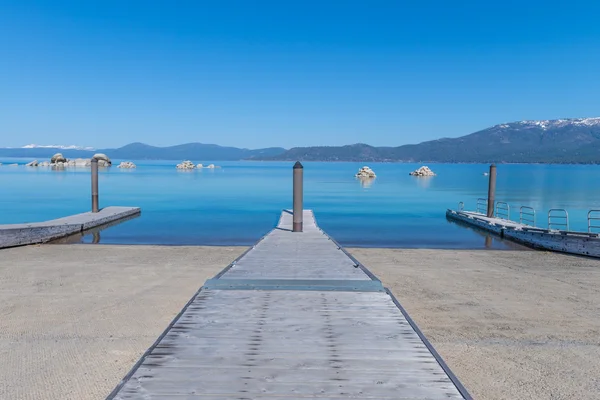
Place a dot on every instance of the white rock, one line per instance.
(199, 166)
(186, 165)
(127, 165)
(365, 172)
(211, 166)
(13, 165)
(59, 164)
(423, 171)
(79, 162)
(34, 163)
(103, 160)
(44, 164)
(58, 157)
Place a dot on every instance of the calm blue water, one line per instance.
(241, 201)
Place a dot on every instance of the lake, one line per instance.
(239, 202)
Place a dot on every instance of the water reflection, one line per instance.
(91, 236)
(365, 182)
(490, 241)
(424, 181)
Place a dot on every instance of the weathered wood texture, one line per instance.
(579, 243)
(295, 343)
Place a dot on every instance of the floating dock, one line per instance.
(42, 232)
(293, 317)
(564, 241)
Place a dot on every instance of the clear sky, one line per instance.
(289, 73)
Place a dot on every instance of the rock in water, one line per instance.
(79, 162)
(199, 166)
(127, 165)
(103, 160)
(34, 163)
(423, 171)
(186, 165)
(44, 164)
(365, 172)
(58, 157)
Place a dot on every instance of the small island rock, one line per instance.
(186, 165)
(44, 164)
(365, 172)
(103, 160)
(127, 165)
(58, 157)
(199, 166)
(423, 171)
(34, 163)
(79, 162)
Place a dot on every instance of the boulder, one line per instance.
(59, 164)
(365, 172)
(199, 166)
(58, 157)
(34, 163)
(126, 165)
(211, 166)
(186, 165)
(44, 164)
(102, 157)
(79, 162)
(423, 171)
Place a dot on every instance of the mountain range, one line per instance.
(549, 141)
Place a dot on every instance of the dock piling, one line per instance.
(94, 164)
(491, 191)
(298, 206)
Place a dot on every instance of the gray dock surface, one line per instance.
(571, 242)
(294, 317)
(12, 235)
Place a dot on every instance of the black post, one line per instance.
(298, 200)
(491, 191)
(94, 185)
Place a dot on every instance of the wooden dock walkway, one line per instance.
(294, 317)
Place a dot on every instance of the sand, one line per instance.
(510, 324)
(75, 319)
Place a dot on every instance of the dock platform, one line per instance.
(294, 317)
(563, 241)
(12, 235)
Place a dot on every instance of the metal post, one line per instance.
(491, 191)
(298, 201)
(94, 185)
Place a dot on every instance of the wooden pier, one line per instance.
(294, 317)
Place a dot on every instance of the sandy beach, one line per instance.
(74, 319)
(511, 324)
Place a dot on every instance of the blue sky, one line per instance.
(289, 73)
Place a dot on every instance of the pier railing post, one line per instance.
(491, 191)
(298, 199)
(94, 185)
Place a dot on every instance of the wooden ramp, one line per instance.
(293, 318)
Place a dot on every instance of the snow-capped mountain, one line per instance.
(56, 146)
(555, 123)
